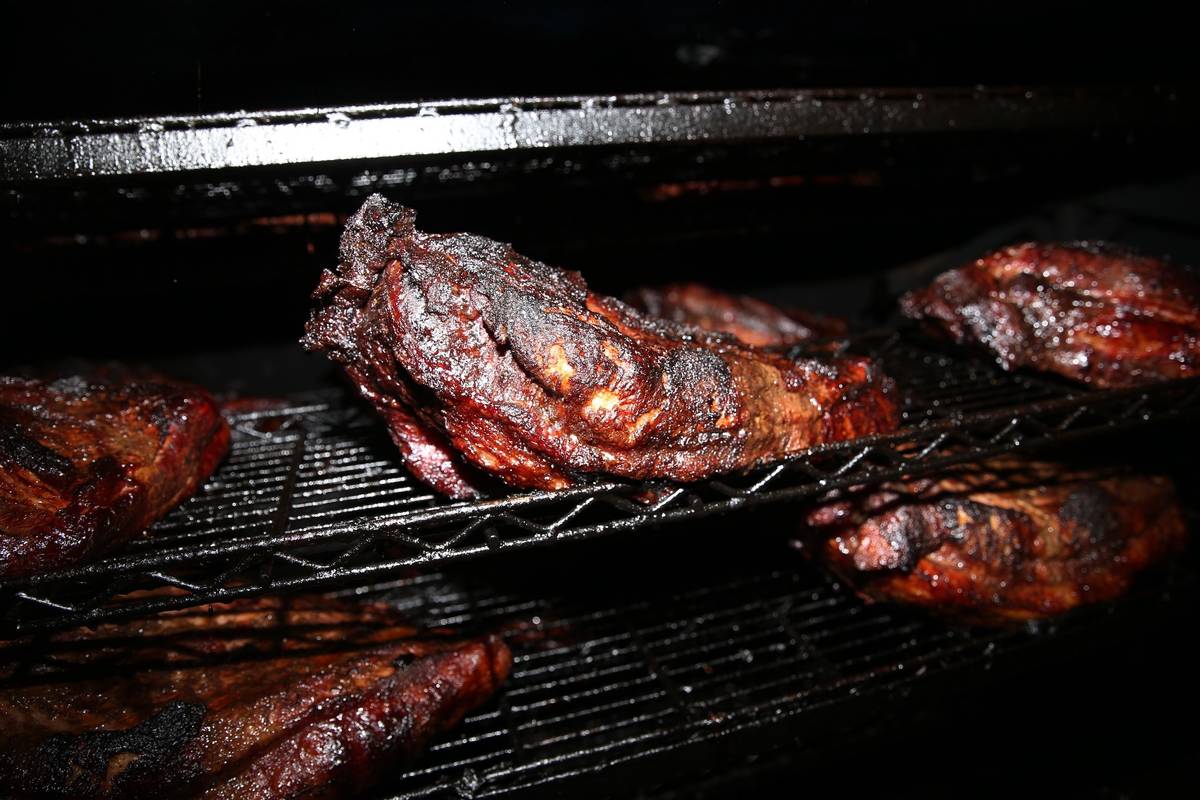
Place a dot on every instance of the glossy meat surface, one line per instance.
(1091, 312)
(751, 321)
(88, 463)
(469, 349)
(265, 699)
(1007, 540)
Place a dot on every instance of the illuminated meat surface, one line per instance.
(256, 699)
(88, 463)
(1006, 540)
(751, 321)
(482, 360)
(1091, 312)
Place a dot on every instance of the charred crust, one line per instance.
(1090, 509)
(535, 380)
(370, 232)
(106, 763)
(1094, 312)
(257, 697)
(24, 452)
(90, 460)
(1007, 540)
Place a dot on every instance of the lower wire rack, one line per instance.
(616, 688)
(645, 678)
(314, 495)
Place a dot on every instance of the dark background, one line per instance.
(87, 59)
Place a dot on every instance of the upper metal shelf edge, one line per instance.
(31, 152)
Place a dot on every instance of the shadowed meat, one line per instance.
(1091, 312)
(1006, 540)
(468, 348)
(265, 699)
(87, 463)
(752, 321)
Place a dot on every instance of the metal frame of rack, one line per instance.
(55, 150)
(676, 673)
(313, 495)
(688, 671)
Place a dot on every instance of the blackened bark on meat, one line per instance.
(87, 463)
(470, 349)
(1006, 540)
(80, 765)
(267, 698)
(1091, 312)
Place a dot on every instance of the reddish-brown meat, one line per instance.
(752, 321)
(1006, 540)
(1092, 312)
(257, 699)
(87, 463)
(467, 347)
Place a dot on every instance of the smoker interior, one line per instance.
(669, 668)
(710, 651)
(312, 495)
(217, 55)
(833, 213)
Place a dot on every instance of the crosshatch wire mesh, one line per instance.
(668, 670)
(314, 495)
(648, 677)
(692, 666)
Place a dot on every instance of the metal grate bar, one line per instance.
(314, 495)
(37, 152)
(594, 702)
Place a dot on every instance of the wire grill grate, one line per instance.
(673, 669)
(614, 676)
(313, 494)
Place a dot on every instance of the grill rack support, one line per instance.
(311, 497)
(47, 151)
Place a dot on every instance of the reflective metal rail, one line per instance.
(36, 151)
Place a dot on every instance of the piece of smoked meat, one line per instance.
(466, 347)
(1008, 539)
(86, 463)
(751, 321)
(260, 699)
(1092, 312)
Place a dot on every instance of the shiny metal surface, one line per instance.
(37, 151)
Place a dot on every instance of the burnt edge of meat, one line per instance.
(262, 698)
(1004, 541)
(82, 765)
(1094, 312)
(475, 354)
(87, 462)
